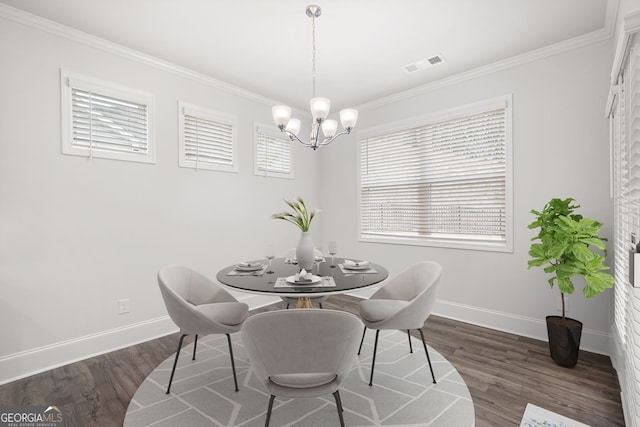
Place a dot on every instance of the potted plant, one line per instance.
(568, 246)
(301, 217)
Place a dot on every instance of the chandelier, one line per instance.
(319, 106)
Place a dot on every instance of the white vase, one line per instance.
(304, 251)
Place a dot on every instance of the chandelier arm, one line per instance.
(328, 140)
(292, 136)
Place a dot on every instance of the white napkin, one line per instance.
(249, 263)
(349, 263)
(303, 276)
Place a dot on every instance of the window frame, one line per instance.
(505, 102)
(212, 116)
(69, 81)
(272, 131)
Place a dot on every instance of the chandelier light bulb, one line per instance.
(329, 128)
(293, 126)
(281, 114)
(348, 118)
(320, 108)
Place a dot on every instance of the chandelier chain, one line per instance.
(313, 52)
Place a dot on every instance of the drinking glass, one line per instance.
(317, 258)
(269, 254)
(333, 250)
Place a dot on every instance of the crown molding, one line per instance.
(630, 26)
(69, 33)
(574, 43)
(64, 31)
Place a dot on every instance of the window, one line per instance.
(273, 152)
(207, 139)
(101, 119)
(625, 138)
(442, 180)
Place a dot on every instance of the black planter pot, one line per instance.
(564, 340)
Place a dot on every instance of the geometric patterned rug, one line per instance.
(202, 393)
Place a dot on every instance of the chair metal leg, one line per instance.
(373, 362)
(362, 340)
(287, 306)
(410, 345)
(428, 358)
(339, 406)
(195, 344)
(320, 304)
(233, 365)
(175, 362)
(266, 424)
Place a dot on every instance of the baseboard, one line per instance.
(593, 341)
(26, 363)
(20, 365)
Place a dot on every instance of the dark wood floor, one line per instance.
(503, 372)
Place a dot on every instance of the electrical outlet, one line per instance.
(123, 306)
(559, 304)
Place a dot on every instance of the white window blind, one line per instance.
(625, 134)
(273, 153)
(622, 225)
(445, 180)
(104, 120)
(207, 139)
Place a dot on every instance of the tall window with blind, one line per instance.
(624, 115)
(273, 153)
(102, 119)
(442, 180)
(207, 139)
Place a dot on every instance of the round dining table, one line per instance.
(334, 278)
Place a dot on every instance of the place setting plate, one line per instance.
(248, 268)
(311, 281)
(241, 267)
(356, 267)
(314, 282)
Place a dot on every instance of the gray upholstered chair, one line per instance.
(405, 302)
(301, 353)
(199, 306)
(294, 300)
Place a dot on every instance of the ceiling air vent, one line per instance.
(423, 63)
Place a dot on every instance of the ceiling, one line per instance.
(264, 46)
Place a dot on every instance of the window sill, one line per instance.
(440, 243)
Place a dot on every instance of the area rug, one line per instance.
(202, 393)
(535, 416)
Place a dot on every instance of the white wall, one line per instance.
(560, 145)
(76, 235)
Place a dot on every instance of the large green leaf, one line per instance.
(565, 285)
(594, 241)
(582, 252)
(597, 283)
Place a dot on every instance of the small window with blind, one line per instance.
(273, 152)
(207, 139)
(101, 119)
(442, 180)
